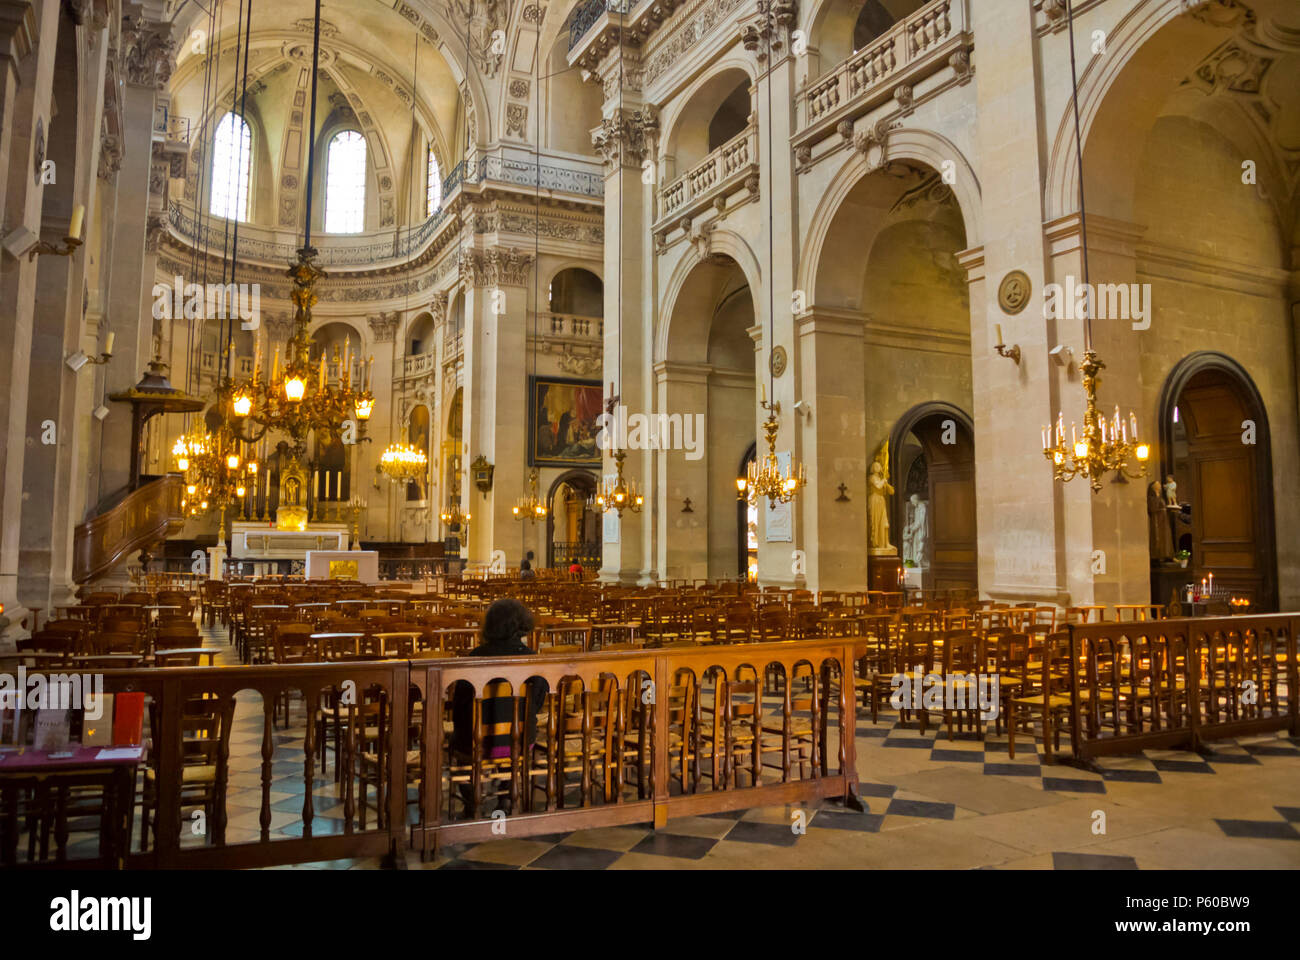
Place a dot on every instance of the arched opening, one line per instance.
(576, 292)
(1217, 451)
(451, 465)
(932, 471)
(720, 106)
(419, 336)
(572, 527)
(417, 435)
(708, 377)
(850, 25)
(332, 341)
(573, 107)
(746, 525)
(345, 183)
(731, 117)
(877, 17)
(232, 160)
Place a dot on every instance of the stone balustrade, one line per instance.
(910, 45)
(718, 173)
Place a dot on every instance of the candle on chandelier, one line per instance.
(275, 366)
(344, 370)
(998, 327)
(322, 371)
(1133, 424)
(108, 344)
(1211, 593)
(1044, 438)
(1060, 428)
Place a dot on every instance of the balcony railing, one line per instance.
(707, 178)
(566, 325)
(418, 365)
(585, 17)
(909, 41)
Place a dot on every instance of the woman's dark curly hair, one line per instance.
(506, 620)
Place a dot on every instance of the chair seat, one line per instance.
(202, 773)
(1036, 700)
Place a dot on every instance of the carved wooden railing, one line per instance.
(146, 516)
(724, 167)
(925, 34)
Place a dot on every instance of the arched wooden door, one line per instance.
(1210, 413)
(942, 472)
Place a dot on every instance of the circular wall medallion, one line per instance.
(777, 361)
(1013, 292)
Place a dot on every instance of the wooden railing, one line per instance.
(672, 709)
(685, 716)
(702, 182)
(146, 516)
(907, 42)
(1181, 683)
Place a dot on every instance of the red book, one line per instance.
(128, 718)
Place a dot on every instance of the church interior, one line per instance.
(904, 472)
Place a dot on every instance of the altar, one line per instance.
(260, 549)
(360, 565)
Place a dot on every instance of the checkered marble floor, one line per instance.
(931, 802)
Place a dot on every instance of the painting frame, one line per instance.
(539, 455)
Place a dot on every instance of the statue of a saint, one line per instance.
(1171, 492)
(1158, 533)
(916, 531)
(877, 508)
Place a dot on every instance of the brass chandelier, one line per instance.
(530, 506)
(403, 463)
(1104, 447)
(453, 517)
(215, 470)
(765, 477)
(619, 493)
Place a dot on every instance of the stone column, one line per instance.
(138, 219)
(831, 356)
(769, 35)
(1022, 543)
(625, 139)
(495, 413)
(682, 388)
(26, 80)
(1107, 553)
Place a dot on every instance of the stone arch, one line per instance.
(722, 241)
(693, 109)
(1258, 458)
(1153, 32)
(931, 149)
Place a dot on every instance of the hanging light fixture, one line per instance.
(403, 463)
(292, 400)
(765, 477)
(1104, 447)
(530, 506)
(617, 493)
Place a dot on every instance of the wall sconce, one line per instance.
(686, 506)
(1013, 352)
(844, 494)
(78, 360)
(742, 485)
(70, 243)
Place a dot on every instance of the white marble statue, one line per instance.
(917, 533)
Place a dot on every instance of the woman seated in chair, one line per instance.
(505, 624)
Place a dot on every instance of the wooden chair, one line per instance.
(205, 725)
(1050, 695)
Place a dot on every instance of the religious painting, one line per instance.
(563, 422)
(344, 570)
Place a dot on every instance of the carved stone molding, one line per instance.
(110, 156)
(485, 21)
(903, 94)
(383, 326)
(148, 52)
(802, 158)
(960, 63)
(438, 307)
(278, 326)
(508, 266)
(769, 28)
(516, 120)
(873, 143)
(155, 230)
(629, 137)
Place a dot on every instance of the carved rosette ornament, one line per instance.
(148, 52)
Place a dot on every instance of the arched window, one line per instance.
(232, 156)
(345, 183)
(434, 195)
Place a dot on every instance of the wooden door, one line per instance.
(1220, 473)
(954, 545)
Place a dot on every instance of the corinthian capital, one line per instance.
(627, 136)
(148, 52)
(508, 267)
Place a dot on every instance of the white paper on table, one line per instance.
(119, 753)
